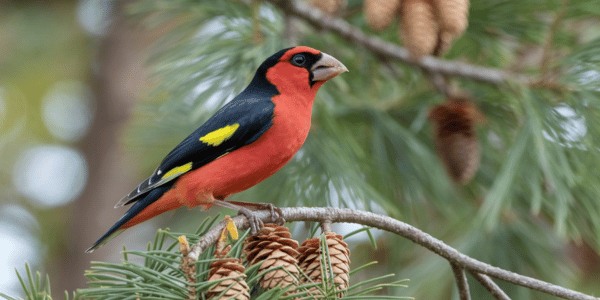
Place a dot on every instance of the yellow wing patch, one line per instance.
(177, 171)
(217, 137)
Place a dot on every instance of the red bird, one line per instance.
(246, 141)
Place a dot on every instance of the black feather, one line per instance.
(132, 212)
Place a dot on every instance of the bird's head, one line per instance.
(299, 69)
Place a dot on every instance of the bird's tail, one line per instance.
(122, 223)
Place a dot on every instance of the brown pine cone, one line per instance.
(330, 7)
(310, 257)
(231, 273)
(455, 137)
(453, 15)
(445, 40)
(419, 27)
(379, 14)
(273, 248)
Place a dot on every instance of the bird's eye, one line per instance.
(299, 60)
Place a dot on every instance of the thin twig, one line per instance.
(326, 226)
(440, 83)
(491, 286)
(389, 50)
(461, 282)
(345, 215)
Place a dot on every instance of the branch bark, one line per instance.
(461, 282)
(389, 50)
(491, 286)
(344, 215)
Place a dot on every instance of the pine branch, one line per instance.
(491, 286)
(461, 282)
(388, 50)
(344, 215)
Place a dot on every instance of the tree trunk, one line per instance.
(118, 79)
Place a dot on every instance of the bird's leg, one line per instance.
(255, 222)
(276, 213)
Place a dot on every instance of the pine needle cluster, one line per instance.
(157, 273)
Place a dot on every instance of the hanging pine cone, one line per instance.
(231, 273)
(445, 40)
(330, 7)
(273, 248)
(453, 16)
(379, 14)
(453, 19)
(419, 27)
(455, 137)
(310, 263)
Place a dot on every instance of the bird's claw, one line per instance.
(255, 222)
(276, 214)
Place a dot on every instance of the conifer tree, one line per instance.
(479, 125)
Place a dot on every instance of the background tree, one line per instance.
(531, 68)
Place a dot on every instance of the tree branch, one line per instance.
(390, 50)
(491, 286)
(344, 215)
(461, 282)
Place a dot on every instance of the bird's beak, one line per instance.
(327, 67)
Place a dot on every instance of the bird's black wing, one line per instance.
(238, 123)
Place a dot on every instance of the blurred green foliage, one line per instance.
(41, 45)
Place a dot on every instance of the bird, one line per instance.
(246, 141)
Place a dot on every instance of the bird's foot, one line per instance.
(248, 210)
(255, 222)
(276, 213)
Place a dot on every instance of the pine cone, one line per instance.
(419, 27)
(444, 43)
(379, 14)
(274, 248)
(310, 256)
(453, 18)
(231, 272)
(330, 7)
(455, 137)
(453, 15)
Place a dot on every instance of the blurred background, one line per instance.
(94, 92)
